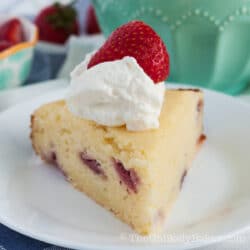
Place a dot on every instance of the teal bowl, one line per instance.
(208, 40)
(15, 62)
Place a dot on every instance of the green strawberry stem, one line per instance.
(64, 17)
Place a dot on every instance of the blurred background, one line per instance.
(208, 41)
(49, 59)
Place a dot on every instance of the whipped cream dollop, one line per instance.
(116, 93)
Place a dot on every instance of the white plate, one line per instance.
(213, 205)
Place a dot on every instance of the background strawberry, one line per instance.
(140, 41)
(11, 32)
(5, 45)
(57, 22)
(92, 26)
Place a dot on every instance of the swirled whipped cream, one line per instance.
(116, 93)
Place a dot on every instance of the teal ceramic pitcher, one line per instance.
(208, 40)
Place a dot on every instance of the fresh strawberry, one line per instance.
(56, 23)
(92, 26)
(11, 31)
(5, 45)
(140, 41)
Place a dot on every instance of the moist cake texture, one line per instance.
(136, 175)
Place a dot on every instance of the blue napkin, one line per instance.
(10, 240)
(44, 67)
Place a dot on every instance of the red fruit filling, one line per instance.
(201, 139)
(51, 158)
(128, 177)
(200, 105)
(92, 164)
(183, 178)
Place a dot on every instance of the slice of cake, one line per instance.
(136, 175)
(119, 136)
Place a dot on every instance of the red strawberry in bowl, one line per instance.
(138, 40)
(11, 32)
(5, 45)
(92, 26)
(56, 23)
